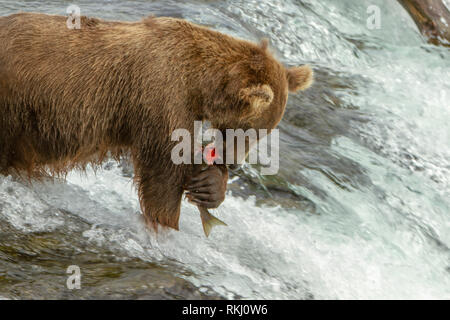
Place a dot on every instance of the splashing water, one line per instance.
(359, 209)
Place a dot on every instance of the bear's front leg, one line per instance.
(207, 187)
(160, 194)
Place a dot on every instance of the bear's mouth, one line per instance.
(234, 167)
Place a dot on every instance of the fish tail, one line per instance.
(209, 221)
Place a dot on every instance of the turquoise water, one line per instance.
(359, 209)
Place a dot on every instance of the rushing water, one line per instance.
(359, 209)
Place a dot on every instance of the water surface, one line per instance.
(360, 207)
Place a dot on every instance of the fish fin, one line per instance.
(209, 222)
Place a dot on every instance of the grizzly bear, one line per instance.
(71, 97)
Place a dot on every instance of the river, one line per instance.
(359, 210)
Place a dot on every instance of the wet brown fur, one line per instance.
(68, 98)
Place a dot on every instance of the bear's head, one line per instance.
(254, 93)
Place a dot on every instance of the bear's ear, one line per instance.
(264, 44)
(299, 78)
(259, 97)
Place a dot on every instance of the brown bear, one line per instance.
(70, 97)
